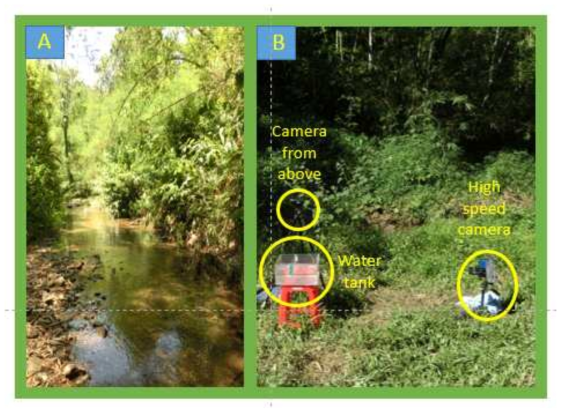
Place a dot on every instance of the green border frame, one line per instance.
(250, 388)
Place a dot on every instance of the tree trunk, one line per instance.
(370, 54)
(492, 66)
(67, 149)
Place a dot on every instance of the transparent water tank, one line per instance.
(297, 270)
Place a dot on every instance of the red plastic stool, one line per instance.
(286, 312)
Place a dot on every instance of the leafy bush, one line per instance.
(122, 189)
(515, 170)
(181, 167)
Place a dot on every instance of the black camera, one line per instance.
(478, 271)
(485, 270)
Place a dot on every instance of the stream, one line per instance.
(159, 321)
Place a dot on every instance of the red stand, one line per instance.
(286, 312)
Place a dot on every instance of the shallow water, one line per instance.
(165, 324)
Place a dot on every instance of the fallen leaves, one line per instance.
(54, 286)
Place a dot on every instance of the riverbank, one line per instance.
(55, 282)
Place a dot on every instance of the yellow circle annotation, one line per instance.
(316, 213)
(290, 304)
(461, 272)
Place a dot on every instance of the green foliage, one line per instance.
(159, 137)
(516, 169)
(477, 82)
(43, 183)
(123, 190)
(403, 174)
(177, 156)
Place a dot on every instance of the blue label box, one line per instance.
(45, 42)
(276, 43)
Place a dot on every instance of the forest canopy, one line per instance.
(476, 84)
